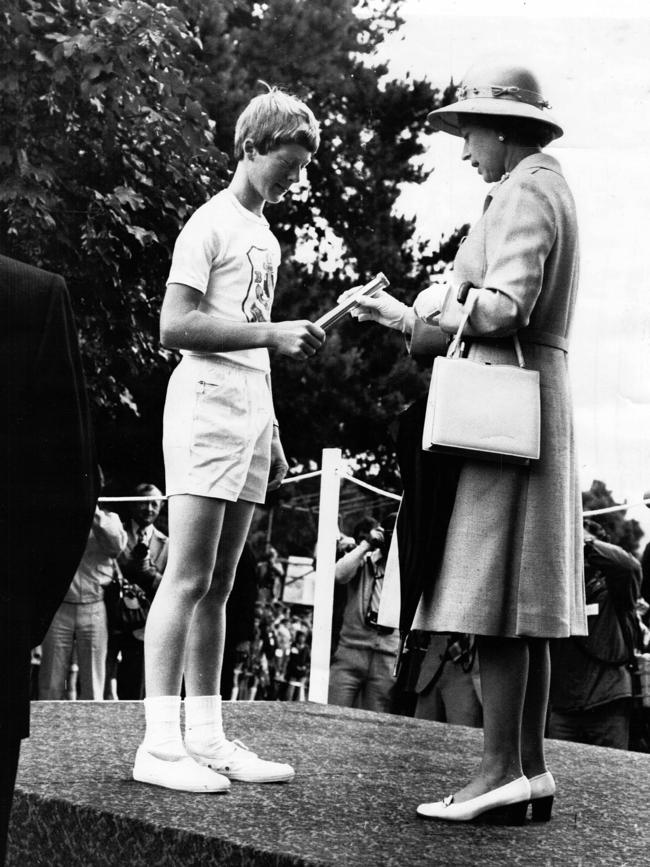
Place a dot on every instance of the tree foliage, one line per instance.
(118, 119)
(105, 155)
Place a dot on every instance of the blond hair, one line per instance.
(275, 118)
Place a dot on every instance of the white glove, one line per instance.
(386, 310)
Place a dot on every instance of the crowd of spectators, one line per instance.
(595, 681)
(274, 664)
(88, 653)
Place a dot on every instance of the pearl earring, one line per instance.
(502, 138)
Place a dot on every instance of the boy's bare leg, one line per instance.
(194, 529)
(195, 526)
(205, 739)
(204, 655)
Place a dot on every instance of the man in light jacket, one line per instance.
(81, 618)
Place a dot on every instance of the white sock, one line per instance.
(163, 726)
(204, 724)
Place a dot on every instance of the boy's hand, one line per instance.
(300, 339)
(279, 465)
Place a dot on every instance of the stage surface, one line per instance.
(359, 778)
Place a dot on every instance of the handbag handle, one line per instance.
(468, 296)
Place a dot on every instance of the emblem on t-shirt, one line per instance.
(259, 297)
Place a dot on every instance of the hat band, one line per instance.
(497, 91)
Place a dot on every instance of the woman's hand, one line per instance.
(279, 465)
(385, 309)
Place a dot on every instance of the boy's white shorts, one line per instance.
(217, 430)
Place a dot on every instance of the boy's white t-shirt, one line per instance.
(231, 256)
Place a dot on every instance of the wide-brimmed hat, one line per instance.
(506, 91)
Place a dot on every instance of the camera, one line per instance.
(376, 538)
(371, 618)
(371, 621)
(140, 551)
(140, 565)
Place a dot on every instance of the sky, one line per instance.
(594, 69)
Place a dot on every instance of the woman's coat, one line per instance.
(512, 562)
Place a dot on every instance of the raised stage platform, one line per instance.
(359, 778)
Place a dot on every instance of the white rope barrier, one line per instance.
(131, 499)
(611, 509)
(372, 488)
(301, 478)
(349, 478)
(286, 481)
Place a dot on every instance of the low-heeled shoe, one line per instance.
(506, 805)
(542, 792)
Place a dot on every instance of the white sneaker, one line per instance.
(237, 762)
(181, 773)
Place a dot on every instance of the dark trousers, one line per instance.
(607, 725)
(129, 671)
(10, 752)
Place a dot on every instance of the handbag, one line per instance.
(427, 342)
(127, 606)
(482, 410)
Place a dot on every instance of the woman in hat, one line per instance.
(511, 568)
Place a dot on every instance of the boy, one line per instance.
(221, 444)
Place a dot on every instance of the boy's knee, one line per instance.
(220, 588)
(193, 588)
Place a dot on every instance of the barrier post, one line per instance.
(328, 516)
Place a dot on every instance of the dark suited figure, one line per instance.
(48, 480)
(142, 562)
(240, 616)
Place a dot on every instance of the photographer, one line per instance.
(591, 684)
(80, 620)
(144, 559)
(142, 562)
(362, 670)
